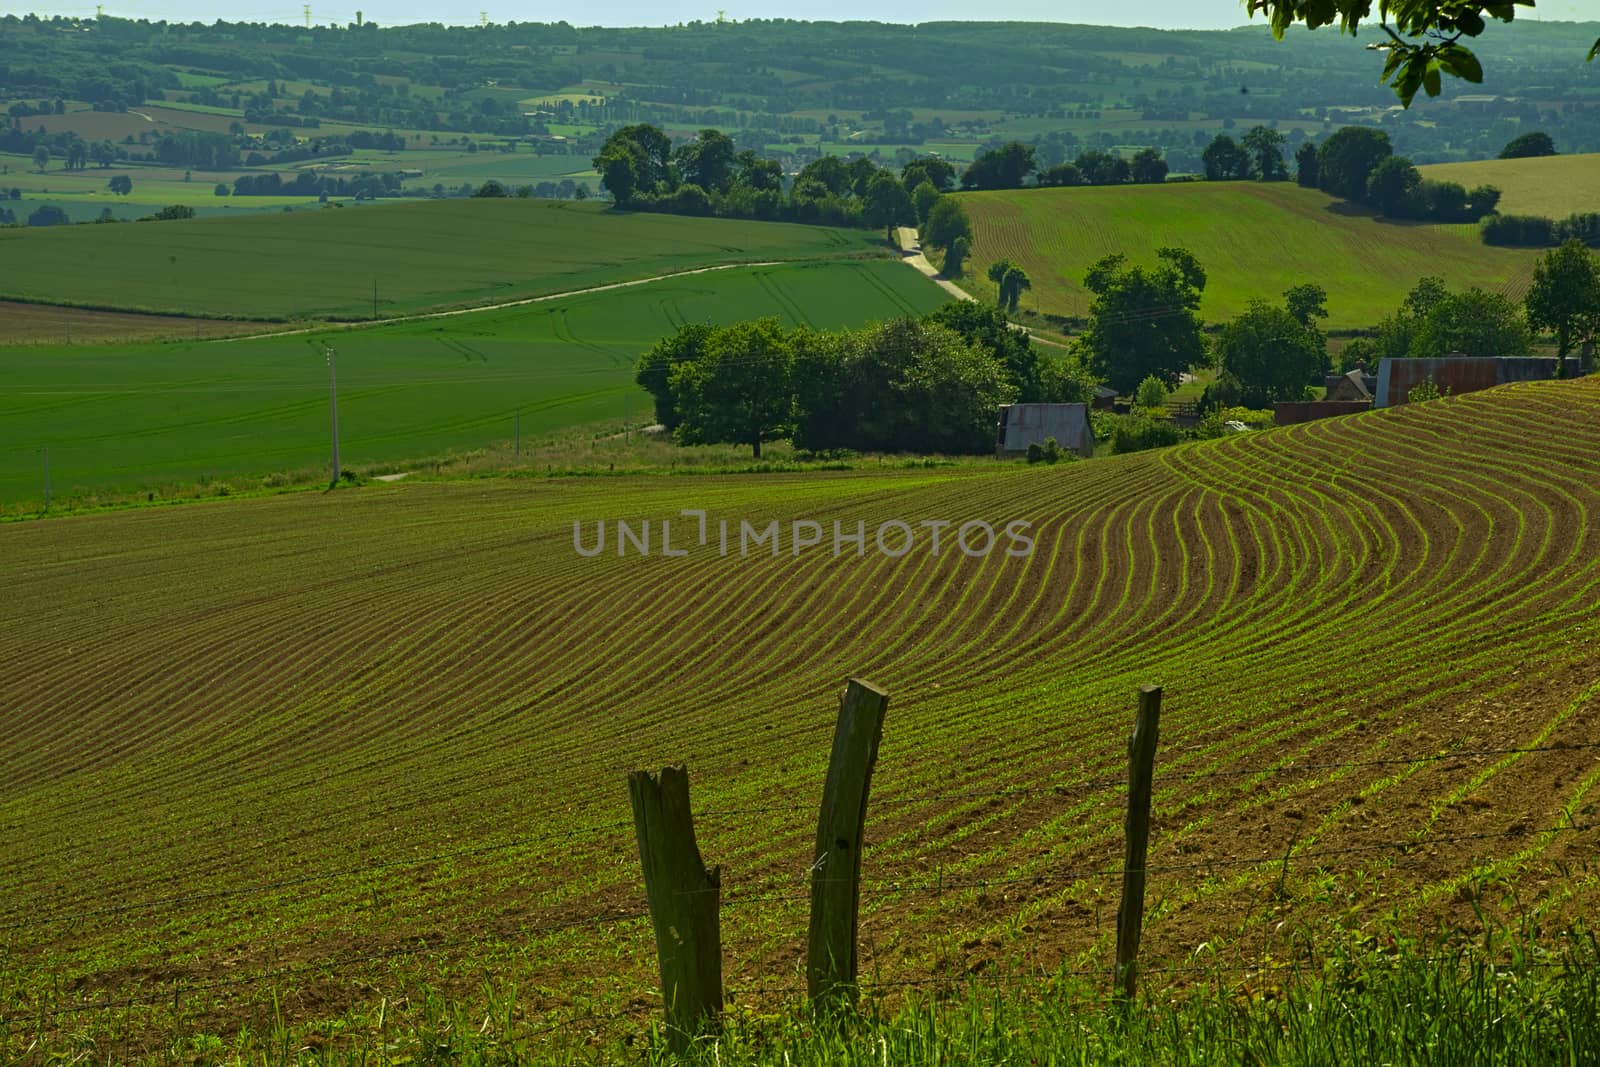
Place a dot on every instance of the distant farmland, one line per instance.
(286, 758)
(133, 415)
(1254, 240)
(324, 263)
(1553, 186)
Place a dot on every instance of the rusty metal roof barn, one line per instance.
(1022, 425)
(1457, 374)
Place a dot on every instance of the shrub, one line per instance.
(1048, 452)
(1138, 433)
(1427, 389)
(1152, 393)
(1519, 231)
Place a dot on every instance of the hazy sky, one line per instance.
(1190, 14)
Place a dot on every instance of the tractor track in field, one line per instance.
(503, 305)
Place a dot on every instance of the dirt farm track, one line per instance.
(322, 746)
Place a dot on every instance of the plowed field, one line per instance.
(326, 748)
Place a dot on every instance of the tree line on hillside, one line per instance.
(935, 384)
(1563, 300)
(932, 384)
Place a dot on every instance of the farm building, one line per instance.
(1290, 412)
(1021, 425)
(1355, 385)
(1459, 374)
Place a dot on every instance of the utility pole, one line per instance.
(46, 451)
(483, 18)
(333, 411)
(307, 8)
(519, 431)
(374, 300)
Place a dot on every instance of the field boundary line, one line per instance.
(520, 302)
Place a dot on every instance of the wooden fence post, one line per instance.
(1141, 764)
(836, 863)
(684, 900)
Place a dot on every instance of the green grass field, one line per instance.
(421, 255)
(1553, 186)
(124, 417)
(293, 763)
(1254, 241)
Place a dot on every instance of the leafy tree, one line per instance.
(931, 169)
(104, 153)
(1011, 280)
(619, 172)
(1307, 303)
(1006, 167)
(1535, 143)
(1224, 160)
(1347, 159)
(48, 215)
(1473, 323)
(988, 329)
(904, 385)
(757, 173)
(956, 255)
(1305, 161)
(1483, 200)
(1265, 147)
(740, 390)
(947, 220)
(831, 172)
(707, 161)
(1424, 35)
(1565, 295)
(1358, 353)
(41, 158)
(491, 189)
(888, 204)
(1152, 393)
(635, 161)
(1148, 168)
(686, 345)
(1394, 188)
(221, 189)
(173, 213)
(861, 170)
(1103, 168)
(1065, 380)
(1061, 174)
(922, 199)
(1272, 354)
(121, 184)
(77, 155)
(1145, 321)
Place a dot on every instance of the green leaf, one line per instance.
(1430, 79)
(1595, 51)
(1461, 63)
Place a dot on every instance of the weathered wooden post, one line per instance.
(836, 861)
(1141, 764)
(684, 900)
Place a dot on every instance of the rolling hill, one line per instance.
(1254, 240)
(1553, 186)
(420, 256)
(270, 761)
(129, 417)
